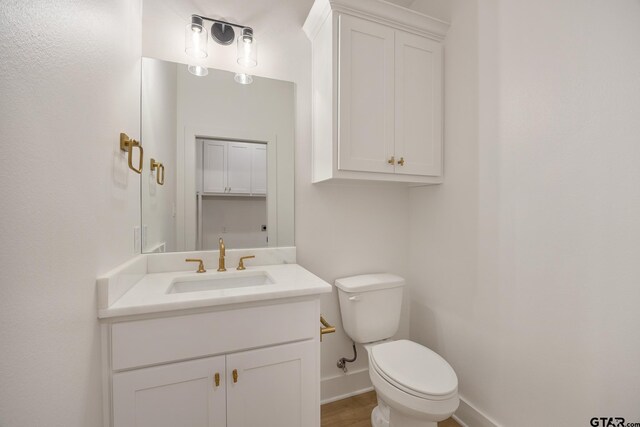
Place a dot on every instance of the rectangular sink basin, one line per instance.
(219, 281)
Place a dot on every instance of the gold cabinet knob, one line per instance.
(392, 160)
(401, 161)
(216, 378)
(235, 375)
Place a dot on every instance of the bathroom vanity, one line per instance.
(234, 348)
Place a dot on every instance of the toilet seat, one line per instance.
(414, 369)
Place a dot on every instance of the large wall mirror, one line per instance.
(224, 160)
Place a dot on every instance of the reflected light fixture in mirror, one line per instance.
(198, 70)
(243, 79)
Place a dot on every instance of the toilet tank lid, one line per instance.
(369, 282)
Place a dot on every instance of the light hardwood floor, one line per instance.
(356, 412)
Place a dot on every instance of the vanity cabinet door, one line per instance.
(177, 394)
(274, 387)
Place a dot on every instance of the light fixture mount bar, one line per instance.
(218, 21)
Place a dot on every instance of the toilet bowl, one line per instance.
(415, 386)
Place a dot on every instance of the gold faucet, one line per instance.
(221, 266)
(241, 263)
(200, 265)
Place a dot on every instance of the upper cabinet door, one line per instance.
(259, 169)
(239, 167)
(418, 103)
(214, 173)
(366, 96)
(177, 394)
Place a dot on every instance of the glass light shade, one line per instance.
(243, 79)
(198, 70)
(195, 41)
(247, 50)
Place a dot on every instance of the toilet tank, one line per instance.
(370, 306)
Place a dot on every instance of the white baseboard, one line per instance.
(346, 385)
(468, 415)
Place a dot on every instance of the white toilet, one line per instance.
(415, 386)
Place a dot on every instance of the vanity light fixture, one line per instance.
(195, 39)
(247, 49)
(223, 33)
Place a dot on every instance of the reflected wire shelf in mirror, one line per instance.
(229, 158)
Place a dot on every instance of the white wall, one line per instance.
(238, 220)
(529, 277)
(70, 84)
(340, 230)
(159, 121)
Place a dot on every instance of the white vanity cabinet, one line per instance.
(234, 168)
(236, 367)
(377, 92)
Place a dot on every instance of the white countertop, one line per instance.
(149, 294)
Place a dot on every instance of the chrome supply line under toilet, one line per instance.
(342, 362)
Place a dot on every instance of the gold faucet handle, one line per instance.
(200, 265)
(241, 263)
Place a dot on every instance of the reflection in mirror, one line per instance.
(227, 153)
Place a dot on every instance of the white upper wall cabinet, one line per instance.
(377, 92)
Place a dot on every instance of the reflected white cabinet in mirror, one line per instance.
(227, 149)
(233, 168)
(377, 92)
